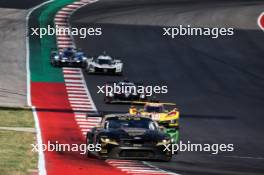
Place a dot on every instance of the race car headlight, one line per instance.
(56, 57)
(174, 121)
(109, 141)
(164, 142)
(172, 140)
(84, 58)
(142, 96)
(63, 59)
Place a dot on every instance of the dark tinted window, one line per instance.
(144, 123)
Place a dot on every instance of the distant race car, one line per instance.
(127, 96)
(157, 112)
(68, 57)
(123, 136)
(104, 64)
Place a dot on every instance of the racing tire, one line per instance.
(88, 153)
(83, 65)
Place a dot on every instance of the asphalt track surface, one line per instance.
(13, 57)
(217, 84)
(16, 4)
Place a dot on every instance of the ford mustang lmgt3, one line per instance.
(68, 57)
(130, 93)
(104, 64)
(169, 119)
(123, 136)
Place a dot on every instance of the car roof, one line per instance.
(104, 57)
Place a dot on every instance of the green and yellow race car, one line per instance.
(167, 119)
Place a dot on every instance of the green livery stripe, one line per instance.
(39, 48)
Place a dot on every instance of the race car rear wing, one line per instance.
(102, 114)
(145, 102)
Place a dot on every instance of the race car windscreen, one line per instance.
(68, 53)
(104, 61)
(154, 109)
(119, 123)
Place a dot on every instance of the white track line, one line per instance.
(76, 91)
(70, 72)
(72, 76)
(81, 119)
(76, 95)
(83, 123)
(72, 84)
(71, 68)
(63, 13)
(65, 46)
(79, 99)
(73, 6)
(63, 42)
(80, 106)
(73, 81)
(80, 103)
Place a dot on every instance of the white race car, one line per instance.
(104, 64)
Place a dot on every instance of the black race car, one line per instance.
(127, 92)
(123, 136)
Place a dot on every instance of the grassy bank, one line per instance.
(15, 147)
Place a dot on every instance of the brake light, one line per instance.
(133, 110)
(172, 113)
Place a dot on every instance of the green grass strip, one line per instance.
(15, 147)
(40, 68)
